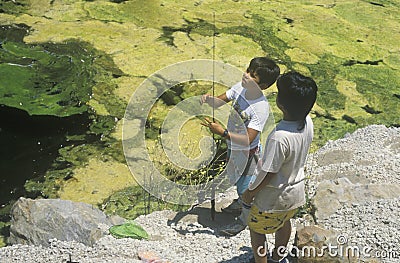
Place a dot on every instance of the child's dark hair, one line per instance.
(297, 94)
(266, 69)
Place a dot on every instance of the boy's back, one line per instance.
(285, 156)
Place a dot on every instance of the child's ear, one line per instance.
(280, 106)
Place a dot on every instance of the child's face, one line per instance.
(251, 81)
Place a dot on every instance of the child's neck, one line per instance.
(287, 117)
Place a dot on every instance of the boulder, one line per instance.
(35, 222)
(310, 243)
(315, 244)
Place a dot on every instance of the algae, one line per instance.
(46, 79)
(324, 73)
(372, 83)
(96, 180)
(262, 33)
(81, 151)
(14, 7)
(134, 201)
(4, 233)
(58, 79)
(4, 225)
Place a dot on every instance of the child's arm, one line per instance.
(216, 101)
(243, 139)
(248, 195)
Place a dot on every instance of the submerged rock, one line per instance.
(35, 222)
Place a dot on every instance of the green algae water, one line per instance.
(34, 98)
(44, 94)
(44, 79)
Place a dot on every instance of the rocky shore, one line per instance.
(353, 186)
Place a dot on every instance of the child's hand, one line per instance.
(214, 127)
(247, 197)
(204, 98)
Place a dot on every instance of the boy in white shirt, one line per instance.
(252, 110)
(278, 190)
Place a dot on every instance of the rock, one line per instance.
(309, 243)
(312, 235)
(333, 194)
(150, 256)
(316, 244)
(35, 222)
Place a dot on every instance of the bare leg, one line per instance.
(282, 237)
(259, 245)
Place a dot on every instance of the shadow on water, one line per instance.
(30, 144)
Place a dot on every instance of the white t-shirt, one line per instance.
(285, 155)
(252, 113)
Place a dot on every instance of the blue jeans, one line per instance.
(247, 177)
(243, 183)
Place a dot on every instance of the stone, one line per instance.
(316, 244)
(35, 222)
(150, 256)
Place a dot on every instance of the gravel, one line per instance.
(182, 242)
(372, 225)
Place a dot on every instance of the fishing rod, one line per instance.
(213, 119)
